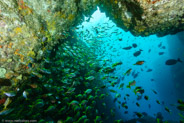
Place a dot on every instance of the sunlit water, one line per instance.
(167, 79)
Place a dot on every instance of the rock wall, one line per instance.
(146, 17)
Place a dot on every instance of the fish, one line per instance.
(25, 94)
(158, 101)
(116, 64)
(10, 94)
(154, 91)
(128, 72)
(167, 109)
(152, 80)
(146, 97)
(6, 111)
(149, 106)
(149, 50)
(138, 90)
(160, 44)
(113, 91)
(122, 78)
(163, 47)
(180, 107)
(180, 101)
(126, 112)
(127, 95)
(118, 96)
(181, 116)
(137, 104)
(120, 39)
(7, 102)
(90, 78)
(88, 91)
(139, 63)
(121, 85)
(138, 114)
(134, 45)
(136, 75)
(149, 70)
(172, 61)
(137, 53)
(124, 105)
(161, 53)
(103, 86)
(131, 83)
(127, 48)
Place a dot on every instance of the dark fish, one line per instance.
(135, 76)
(134, 45)
(149, 106)
(163, 47)
(103, 86)
(133, 73)
(127, 48)
(137, 53)
(126, 112)
(160, 44)
(149, 50)
(154, 91)
(149, 70)
(158, 101)
(5, 82)
(122, 78)
(138, 114)
(161, 53)
(127, 95)
(172, 61)
(167, 109)
(152, 80)
(120, 39)
(146, 97)
(137, 104)
(124, 105)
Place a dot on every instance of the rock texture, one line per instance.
(146, 17)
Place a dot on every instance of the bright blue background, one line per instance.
(168, 80)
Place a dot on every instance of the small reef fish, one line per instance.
(139, 63)
(121, 85)
(128, 72)
(172, 61)
(137, 104)
(158, 101)
(161, 53)
(167, 109)
(131, 83)
(137, 53)
(146, 97)
(127, 48)
(138, 90)
(149, 70)
(138, 114)
(10, 94)
(154, 91)
(134, 45)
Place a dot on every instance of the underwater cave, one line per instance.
(85, 61)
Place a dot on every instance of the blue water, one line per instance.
(168, 80)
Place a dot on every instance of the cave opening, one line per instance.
(112, 45)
